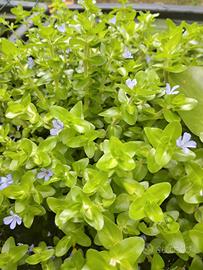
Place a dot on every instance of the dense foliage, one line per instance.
(101, 159)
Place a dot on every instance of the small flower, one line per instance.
(61, 28)
(13, 219)
(112, 20)
(148, 59)
(30, 249)
(57, 127)
(68, 51)
(30, 62)
(184, 142)
(131, 83)
(171, 91)
(45, 173)
(6, 181)
(127, 54)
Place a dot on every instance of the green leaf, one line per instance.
(8, 47)
(196, 236)
(77, 110)
(154, 212)
(17, 253)
(129, 113)
(153, 135)
(167, 143)
(190, 82)
(61, 114)
(157, 262)
(163, 189)
(110, 234)
(94, 180)
(128, 250)
(152, 165)
(10, 243)
(137, 208)
(106, 162)
(176, 241)
(197, 263)
(63, 246)
(95, 261)
(92, 214)
(97, 60)
(43, 256)
(74, 262)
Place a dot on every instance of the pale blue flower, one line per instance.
(6, 181)
(57, 127)
(30, 249)
(184, 142)
(148, 59)
(30, 62)
(45, 173)
(127, 54)
(171, 91)
(131, 83)
(61, 28)
(12, 220)
(112, 20)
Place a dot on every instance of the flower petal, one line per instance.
(179, 141)
(8, 220)
(175, 87)
(46, 178)
(168, 89)
(185, 150)
(186, 137)
(18, 219)
(174, 92)
(49, 172)
(54, 132)
(13, 224)
(113, 20)
(190, 144)
(41, 175)
(3, 186)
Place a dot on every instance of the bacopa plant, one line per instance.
(101, 154)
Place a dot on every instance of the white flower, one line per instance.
(184, 142)
(57, 127)
(171, 91)
(6, 181)
(68, 51)
(45, 173)
(127, 54)
(131, 83)
(112, 20)
(13, 219)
